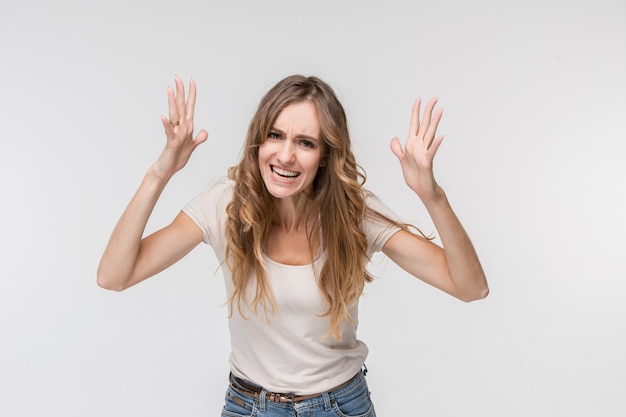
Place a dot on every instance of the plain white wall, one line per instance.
(533, 97)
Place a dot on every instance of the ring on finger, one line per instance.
(176, 123)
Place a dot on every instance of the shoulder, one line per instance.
(377, 211)
(218, 194)
(208, 209)
(379, 223)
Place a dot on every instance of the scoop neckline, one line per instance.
(317, 258)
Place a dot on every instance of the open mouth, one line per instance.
(283, 173)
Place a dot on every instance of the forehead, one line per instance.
(300, 117)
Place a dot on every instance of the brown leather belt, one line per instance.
(278, 397)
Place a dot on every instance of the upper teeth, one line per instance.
(284, 173)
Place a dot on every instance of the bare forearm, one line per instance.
(465, 270)
(120, 256)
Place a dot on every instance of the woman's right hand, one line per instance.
(130, 258)
(178, 131)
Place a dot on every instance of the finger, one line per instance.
(415, 118)
(396, 148)
(171, 103)
(200, 137)
(169, 131)
(432, 128)
(180, 96)
(435, 145)
(191, 101)
(428, 112)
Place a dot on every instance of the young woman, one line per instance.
(294, 229)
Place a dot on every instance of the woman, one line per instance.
(294, 229)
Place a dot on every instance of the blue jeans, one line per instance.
(351, 400)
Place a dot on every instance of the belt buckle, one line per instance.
(280, 397)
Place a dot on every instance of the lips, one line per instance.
(283, 172)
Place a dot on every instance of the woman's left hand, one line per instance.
(416, 158)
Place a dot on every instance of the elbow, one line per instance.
(106, 282)
(478, 293)
(475, 296)
(482, 294)
(102, 283)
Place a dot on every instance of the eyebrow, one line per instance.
(298, 136)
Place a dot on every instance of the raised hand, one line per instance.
(129, 257)
(416, 158)
(179, 130)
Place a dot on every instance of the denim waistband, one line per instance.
(325, 397)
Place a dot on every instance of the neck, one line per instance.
(293, 214)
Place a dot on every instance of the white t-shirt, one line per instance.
(287, 352)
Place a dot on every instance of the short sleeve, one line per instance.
(377, 229)
(208, 211)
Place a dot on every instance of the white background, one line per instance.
(533, 97)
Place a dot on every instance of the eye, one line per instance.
(307, 143)
(274, 135)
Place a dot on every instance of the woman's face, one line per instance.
(291, 154)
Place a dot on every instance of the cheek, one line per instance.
(263, 151)
(314, 161)
(312, 167)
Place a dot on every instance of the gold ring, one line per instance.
(176, 123)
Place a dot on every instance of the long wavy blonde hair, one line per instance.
(338, 195)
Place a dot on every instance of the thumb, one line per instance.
(396, 148)
(201, 137)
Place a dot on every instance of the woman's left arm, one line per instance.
(455, 268)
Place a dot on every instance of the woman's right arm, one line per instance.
(129, 258)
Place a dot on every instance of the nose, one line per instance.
(286, 154)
